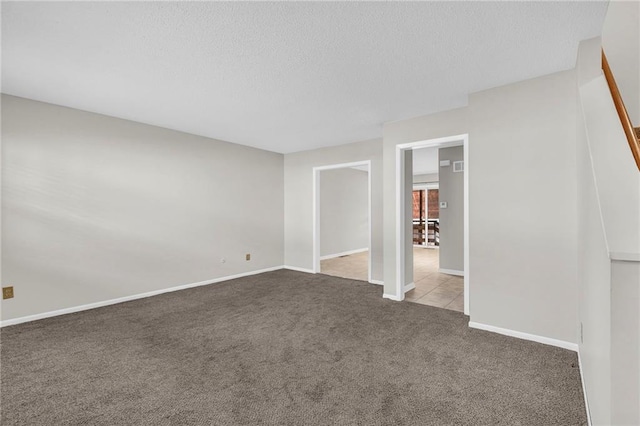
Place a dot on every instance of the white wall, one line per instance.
(96, 208)
(451, 190)
(523, 272)
(609, 255)
(298, 190)
(428, 178)
(625, 342)
(344, 211)
(594, 267)
(621, 43)
(616, 173)
(523, 234)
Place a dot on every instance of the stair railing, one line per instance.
(633, 135)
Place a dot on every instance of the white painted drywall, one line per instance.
(617, 175)
(625, 342)
(425, 161)
(521, 160)
(298, 199)
(523, 233)
(621, 43)
(428, 178)
(344, 211)
(95, 208)
(594, 266)
(451, 190)
(609, 251)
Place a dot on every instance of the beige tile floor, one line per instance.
(354, 266)
(432, 287)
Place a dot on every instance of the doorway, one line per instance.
(425, 196)
(342, 220)
(431, 280)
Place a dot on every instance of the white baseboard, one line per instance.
(344, 253)
(378, 282)
(392, 297)
(86, 307)
(295, 268)
(451, 272)
(584, 390)
(409, 287)
(525, 336)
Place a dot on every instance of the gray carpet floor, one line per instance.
(280, 348)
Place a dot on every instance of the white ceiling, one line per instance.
(284, 76)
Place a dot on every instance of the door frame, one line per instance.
(316, 210)
(401, 256)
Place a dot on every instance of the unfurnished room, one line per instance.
(320, 213)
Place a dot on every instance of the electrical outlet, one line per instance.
(7, 292)
(247, 256)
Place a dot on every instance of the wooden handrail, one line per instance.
(632, 138)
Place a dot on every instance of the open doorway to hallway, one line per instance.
(343, 220)
(435, 285)
(434, 191)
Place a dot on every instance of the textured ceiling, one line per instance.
(284, 76)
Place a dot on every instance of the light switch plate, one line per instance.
(443, 204)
